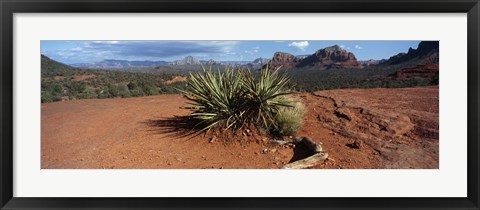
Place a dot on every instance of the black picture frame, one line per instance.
(10, 7)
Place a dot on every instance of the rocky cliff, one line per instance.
(426, 53)
(333, 57)
(189, 60)
(419, 71)
(284, 60)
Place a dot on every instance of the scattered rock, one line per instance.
(357, 144)
(317, 158)
(212, 139)
(313, 160)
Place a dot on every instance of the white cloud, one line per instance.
(251, 52)
(225, 46)
(299, 45)
(106, 42)
(95, 50)
(358, 47)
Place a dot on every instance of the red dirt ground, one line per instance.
(176, 79)
(397, 128)
(76, 77)
(83, 77)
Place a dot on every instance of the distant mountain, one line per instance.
(333, 57)
(421, 62)
(186, 62)
(118, 64)
(371, 62)
(210, 62)
(189, 60)
(258, 63)
(51, 67)
(284, 60)
(427, 52)
(233, 63)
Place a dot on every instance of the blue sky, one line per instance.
(71, 52)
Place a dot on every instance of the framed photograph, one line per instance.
(239, 104)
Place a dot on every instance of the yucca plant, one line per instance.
(263, 95)
(216, 98)
(235, 98)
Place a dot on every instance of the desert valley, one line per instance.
(365, 114)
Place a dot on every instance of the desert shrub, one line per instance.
(136, 93)
(46, 97)
(234, 99)
(290, 118)
(148, 87)
(435, 79)
(172, 88)
(104, 92)
(89, 94)
(132, 85)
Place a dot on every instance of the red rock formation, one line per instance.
(333, 57)
(421, 71)
(427, 52)
(283, 60)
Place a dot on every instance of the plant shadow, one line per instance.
(300, 152)
(177, 126)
